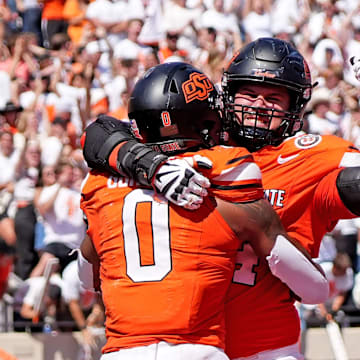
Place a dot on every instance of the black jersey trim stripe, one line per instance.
(232, 161)
(233, 187)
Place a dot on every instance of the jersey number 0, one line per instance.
(160, 235)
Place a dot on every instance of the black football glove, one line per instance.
(101, 137)
(176, 179)
(134, 159)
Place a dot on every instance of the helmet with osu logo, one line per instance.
(174, 107)
(267, 61)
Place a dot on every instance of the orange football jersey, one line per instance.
(164, 270)
(299, 178)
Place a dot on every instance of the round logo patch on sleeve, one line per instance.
(307, 141)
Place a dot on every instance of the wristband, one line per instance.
(139, 161)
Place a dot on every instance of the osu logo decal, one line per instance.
(197, 87)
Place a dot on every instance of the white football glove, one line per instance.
(180, 183)
(355, 63)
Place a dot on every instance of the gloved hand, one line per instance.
(180, 183)
(355, 63)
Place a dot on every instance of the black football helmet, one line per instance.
(268, 61)
(174, 107)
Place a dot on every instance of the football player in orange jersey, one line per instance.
(164, 271)
(312, 181)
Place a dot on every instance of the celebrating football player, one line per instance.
(164, 271)
(312, 181)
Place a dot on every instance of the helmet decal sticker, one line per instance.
(197, 87)
(307, 71)
(135, 129)
(168, 129)
(265, 73)
(165, 118)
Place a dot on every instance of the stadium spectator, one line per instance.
(30, 11)
(52, 146)
(210, 54)
(288, 17)
(180, 18)
(170, 48)
(131, 44)
(152, 31)
(325, 21)
(341, 279)
(62, 220)
(52, 20)
(84, 305)
(346, 234)
(317, 121)
(9, 162)
(150, 59)
(121, 112)
(125, 74)
(25, 216)
(20, 62)
(225, 23)
(9, 115)
(75, 14)
(32, 292)
(47, 177)
(327, 53)
(256, 19)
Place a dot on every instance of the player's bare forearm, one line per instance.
(255, 222)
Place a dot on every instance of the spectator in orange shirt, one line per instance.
(52, 20)
(75, 14)
(170, 47)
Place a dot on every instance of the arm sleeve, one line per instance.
(291, 266)
(328, 201)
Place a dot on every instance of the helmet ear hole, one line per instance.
(173, 87)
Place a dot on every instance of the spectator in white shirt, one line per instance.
(64, 227)
(9, 161)
(341, 280)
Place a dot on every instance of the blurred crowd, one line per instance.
(64, 62)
